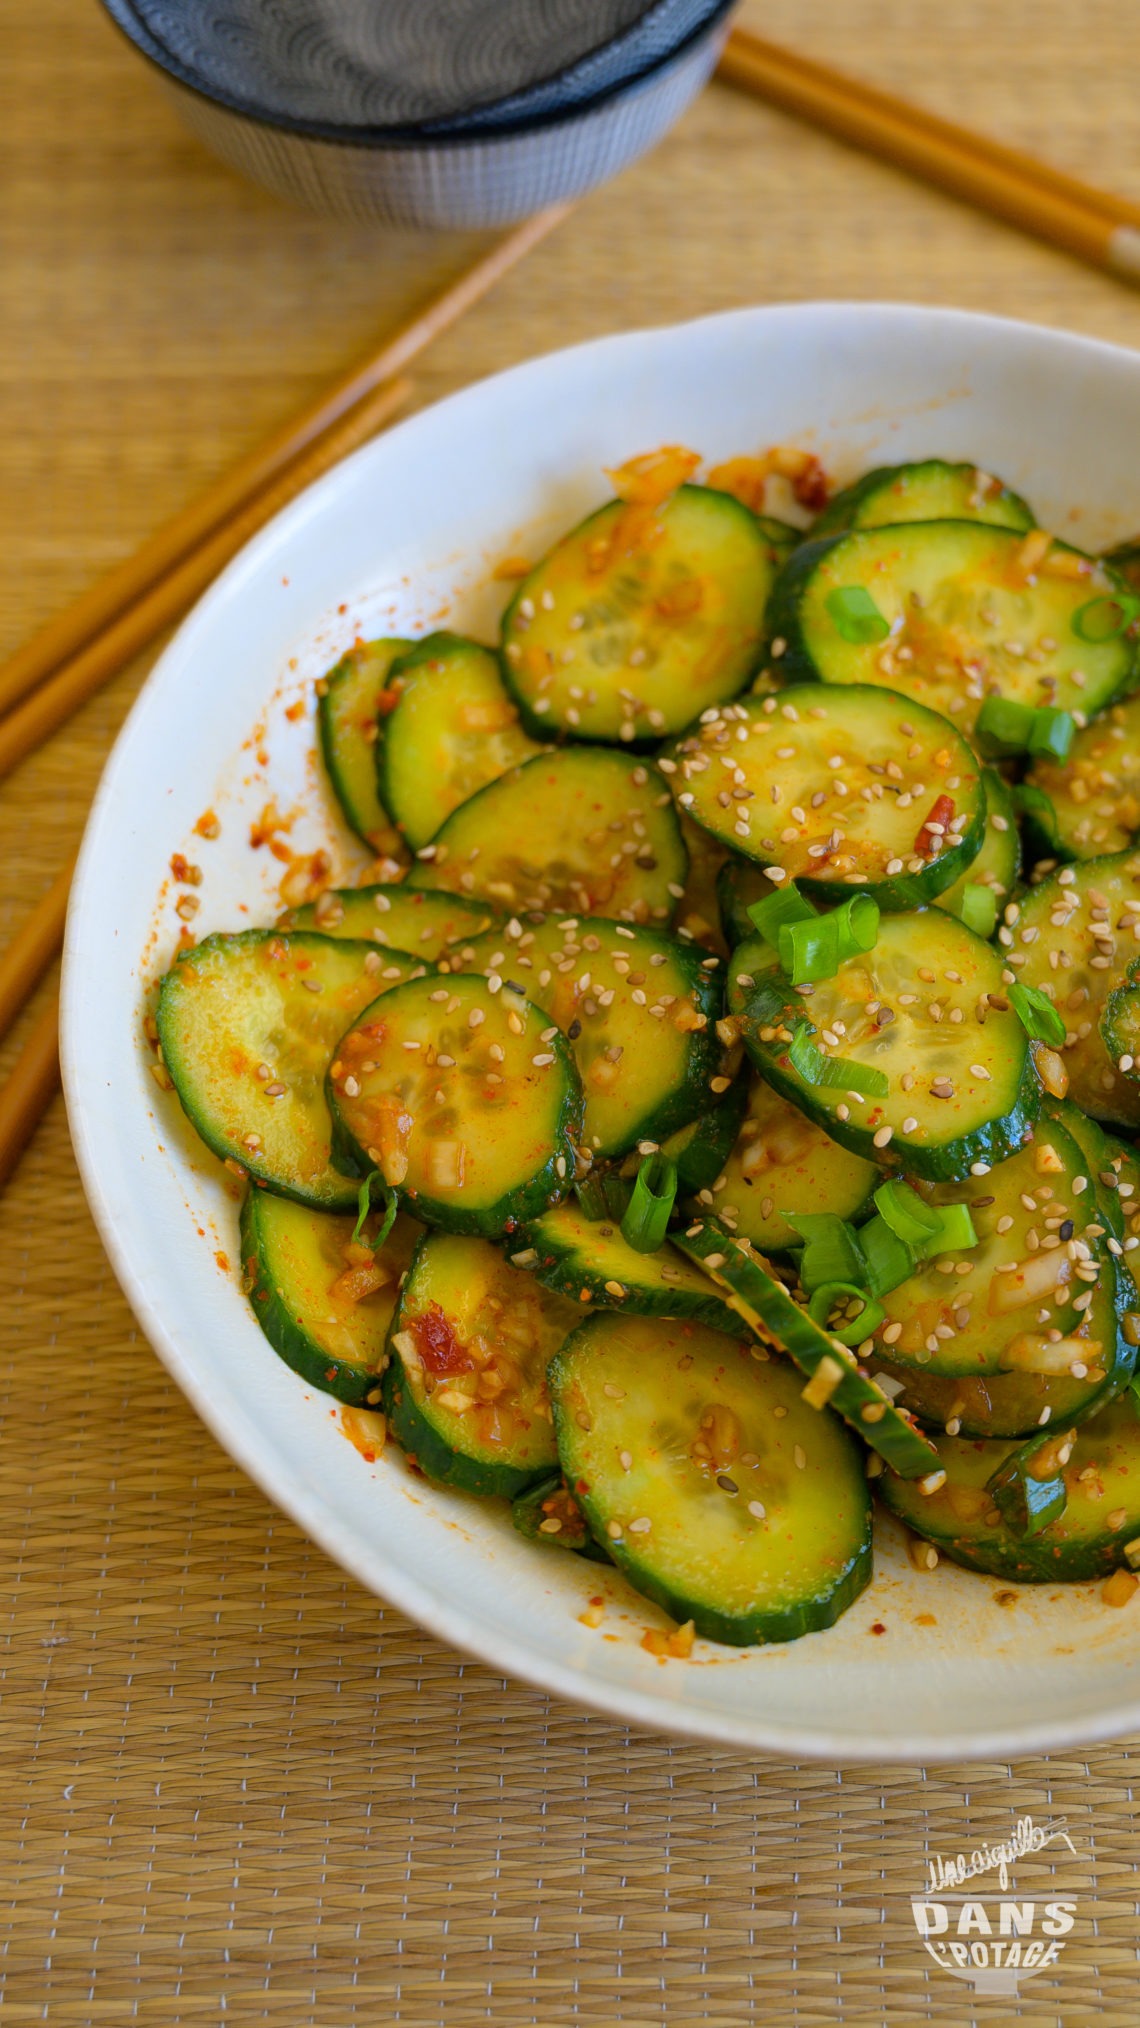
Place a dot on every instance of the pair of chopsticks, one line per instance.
(1096, 226)
(64, 664)
(51, 675)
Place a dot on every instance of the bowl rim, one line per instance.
(445, 136)
(378, 1567)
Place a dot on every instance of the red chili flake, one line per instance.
(929, 843)
(878, 1627)
(812, 487)
(388, 698)
(441, 1349)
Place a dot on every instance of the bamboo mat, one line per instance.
(236, 1788)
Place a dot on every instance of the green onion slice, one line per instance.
(603, 1195)
(775, 911)
(1037, 1014)
(831, 1249)
(955, 1229)
(906, 1214)
(647, 1216)
(815, 948)
(1106, 618)
(828, 1294)
(857, 618)
(839, 1071)
(1011, 727)
(979, 909)
(889, 1259)
(391, 1203)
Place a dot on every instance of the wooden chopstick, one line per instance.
(58, 696)
(27, 957)
(1099, 228)
(73, 631)
(33, 1082)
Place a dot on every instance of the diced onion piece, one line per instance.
(1030, 1282)
(1031, 1353)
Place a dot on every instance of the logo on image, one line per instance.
(1003, 1931)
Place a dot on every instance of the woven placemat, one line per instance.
(236, 1787)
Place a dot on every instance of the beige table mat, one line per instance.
(235, 1787)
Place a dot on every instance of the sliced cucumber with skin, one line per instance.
(452, 730)
(393, 916)
(999, 858)
(930, 490)
(1088, 805)
(351, 703)
(782, 1162)
(582, 830)
(955, 596)
(639, 617)
(1125, 560)
(589, 1261)
(698, 910)
(549, 1515)
(961, 1092)
(740, 884)
(717, 1491)
(1084, 915)
(644, 1072)
(699, 1151)
(323, 1300)
(765, 1305)
(247, 1024)
(836, 785)
(1098, 1532)
(465, 1393)
(467, 1103)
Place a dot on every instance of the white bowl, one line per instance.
(403, 532)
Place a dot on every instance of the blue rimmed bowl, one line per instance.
(376, 112)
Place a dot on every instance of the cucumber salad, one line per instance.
(723, 1110)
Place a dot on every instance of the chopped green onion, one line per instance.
(889, 1259)
(785, 905)
(391, 1204)
(1037, 1014)
(647, 1216)
(815, 949)
(603, 1195)
(905, 1213)
(979, 909)
(831, 1250)
(1051, 733)
(955, 1229)
(1026, 1505)
(857, 618)
(828, 1294)
(1106, 618)
(841, 1071)
(1010, 727)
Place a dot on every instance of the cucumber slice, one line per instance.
(930, 490)
(639, 1010)
(767, 1308)
(999, 860)
(466, 1101)
(247, 1024)
(699, 1151)
(1072, 939)
(548, 1514)
(465, 1393)
(452, 730)
(397, 917)
(698, 910)
(1098, 1532)
(955, 597)
(323, 1302)
(782, 1162)
(963, 1088)
(580, 830)
(837, 785)
(739, 885)
(589, 1261)
(717, 1491)
(639, 617)
(1089, 805)
(1125, 560)
(351, 701)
